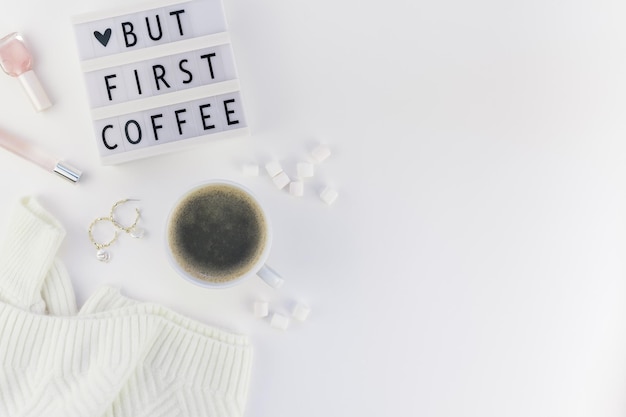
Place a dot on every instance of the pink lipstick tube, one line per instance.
(17, 62)
(37, 156)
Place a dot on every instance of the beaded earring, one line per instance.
(101, 254)
(132, 230)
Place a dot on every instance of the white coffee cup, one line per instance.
(218, 235)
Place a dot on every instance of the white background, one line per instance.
(473, 264)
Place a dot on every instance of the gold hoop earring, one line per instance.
(101, 254)
(132, 230)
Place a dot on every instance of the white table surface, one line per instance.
(473, 264)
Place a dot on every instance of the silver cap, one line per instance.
(67, 171)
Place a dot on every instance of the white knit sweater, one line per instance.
(114, 357)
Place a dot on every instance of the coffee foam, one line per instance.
(217, 233)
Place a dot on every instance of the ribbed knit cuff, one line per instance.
(27, 252)
(57, 291)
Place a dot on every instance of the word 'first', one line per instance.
(160, 75)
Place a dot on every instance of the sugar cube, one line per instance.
(273, 168)
(300, 312)
(279, 321)
(296, 188)
(261, 309)
(320, 153)
(329, 195)
(281, 180)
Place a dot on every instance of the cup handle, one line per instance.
(270, 276)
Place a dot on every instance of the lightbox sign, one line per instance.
(159, 78)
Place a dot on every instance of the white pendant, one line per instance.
(137, 233)
(103, 255)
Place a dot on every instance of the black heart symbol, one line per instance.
(103, 38)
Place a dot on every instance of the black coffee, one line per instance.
(217, 233)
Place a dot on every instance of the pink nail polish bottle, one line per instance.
(17, 61)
